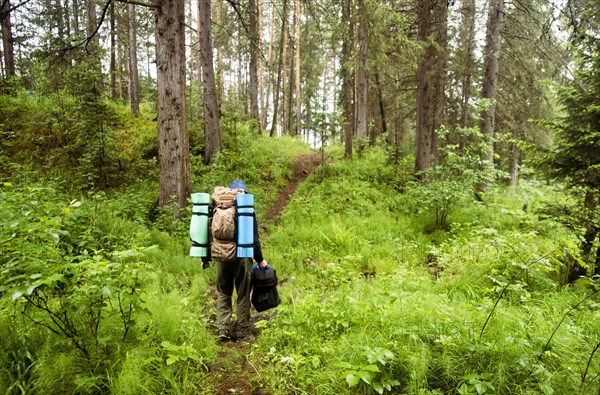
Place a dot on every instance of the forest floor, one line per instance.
(234, 373)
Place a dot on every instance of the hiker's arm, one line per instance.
(258, 256)
(206, 259)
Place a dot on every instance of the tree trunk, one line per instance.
(285, 87)
(134, 86)
(91, 23)
(287, 108)
(173, 139)
(60, 21)
(212, 129)
(432, 20)
(67, 18)
(76, 17)
(120, 56)
(220, 83)
(491, 55)
(270, 79)
(282, 52)
(261, 87)
(254, 54)
(191, 65)
(113, 51)
(7, 41)
(298, 102)
(469, 24)
(347, 83)
(381, 104)
(513, 165)
(362, 87)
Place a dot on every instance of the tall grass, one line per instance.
(155, 336)
(375, 302)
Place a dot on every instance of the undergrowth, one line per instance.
(375, 301)
(99, 295)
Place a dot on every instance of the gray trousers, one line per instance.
(232, 275)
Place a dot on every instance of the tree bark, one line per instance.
(287, 107)
(60, 21)
(282, 45)
(134, 86)
(8, 41)
(298, 102)
(173, 139)
(432, 21)
(113, 55)
(469, 24)
(284, 84)
(259, 45)
(220, 70)
(491, 55)
(347, 83)
(270, 80)
(67, 18)
(381, 104)
(362, 87)
(91, 22)
(76, 28)
(212, 129)
(254, 48)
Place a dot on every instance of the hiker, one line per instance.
(235, 274)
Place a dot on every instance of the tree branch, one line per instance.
(4, 14)
(140, 3)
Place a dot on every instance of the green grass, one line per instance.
(365, 274)
(374, 298)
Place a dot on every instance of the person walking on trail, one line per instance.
(236, 274)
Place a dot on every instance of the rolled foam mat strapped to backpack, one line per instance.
(199, 224)
(245, 212)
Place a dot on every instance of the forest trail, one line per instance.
(234, 374)
(303, 166)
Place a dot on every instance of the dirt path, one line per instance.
(233, 373)
(303, 166)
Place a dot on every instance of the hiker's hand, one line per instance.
(263, 264)
(205, 264)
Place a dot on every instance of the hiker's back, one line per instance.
(223, 246)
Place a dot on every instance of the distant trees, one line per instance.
(383, 72)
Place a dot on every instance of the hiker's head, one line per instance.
(238, 184)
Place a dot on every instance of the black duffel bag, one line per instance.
(264, 289)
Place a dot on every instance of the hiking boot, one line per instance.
(222, 335)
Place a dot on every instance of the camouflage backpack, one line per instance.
(223, 232)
